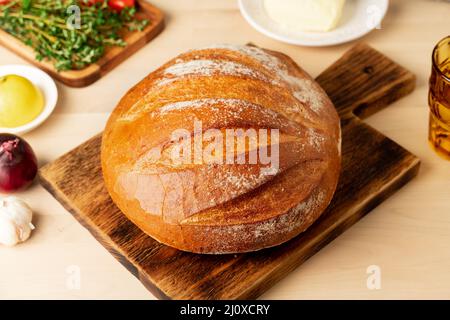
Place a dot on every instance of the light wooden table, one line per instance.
(407, 236)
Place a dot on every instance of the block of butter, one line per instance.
(305, 15)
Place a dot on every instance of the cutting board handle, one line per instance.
(363, 81)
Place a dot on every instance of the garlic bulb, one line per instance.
(15, 221)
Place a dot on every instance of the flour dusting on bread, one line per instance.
(209, 68)
(305, 90)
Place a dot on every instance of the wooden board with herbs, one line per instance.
(132, 39)
(362, 82)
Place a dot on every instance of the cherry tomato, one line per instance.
(116, 5)
(119, 5)
(4, 2)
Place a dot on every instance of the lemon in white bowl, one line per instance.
(28, 112)
(20, 101)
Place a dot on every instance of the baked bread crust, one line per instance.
(223, 208)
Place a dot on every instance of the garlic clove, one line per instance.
(24, 233)
(15, 221)
(8, 232)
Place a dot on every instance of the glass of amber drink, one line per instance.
(439, 99)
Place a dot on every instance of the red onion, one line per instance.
(18, 164)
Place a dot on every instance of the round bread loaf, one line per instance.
(178, 152)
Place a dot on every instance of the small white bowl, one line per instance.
(359, 18)
(41, 80)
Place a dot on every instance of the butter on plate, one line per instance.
(305, 15)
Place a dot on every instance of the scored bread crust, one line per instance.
(223, 208)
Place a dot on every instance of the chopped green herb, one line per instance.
(43, 25)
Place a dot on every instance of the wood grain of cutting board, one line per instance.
(362, 82)
(112, 57)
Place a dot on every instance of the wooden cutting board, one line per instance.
(112, 57)
(362, 82)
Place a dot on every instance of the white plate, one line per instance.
(47, 86)
(359, 18)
